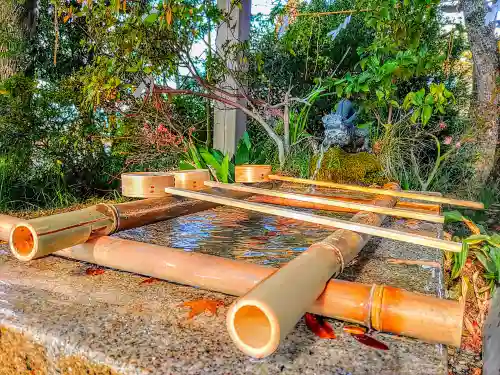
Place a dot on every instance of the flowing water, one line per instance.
(234, 233)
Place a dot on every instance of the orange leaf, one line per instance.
(151, 280)
(66, 18)
(353, 330)
(94, 271)
(472, 227)
(168, 16)
(202, 305)
(319, 326)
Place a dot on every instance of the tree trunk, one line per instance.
(484, 108)
(17, 23)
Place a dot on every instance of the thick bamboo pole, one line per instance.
(329, 202)
(148, 211)
(6, 224)
(424, 317)
(322, 220)
(261, 319)
(36, 238)
(401, 194)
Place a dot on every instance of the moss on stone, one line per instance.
(340, 166)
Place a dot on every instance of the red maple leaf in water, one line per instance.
(319, 326)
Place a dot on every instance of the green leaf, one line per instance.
(246, 140)
(217, 154)
(150, 19)
(132, 69)
(415, 115)
(494, 240)
(242, 155)
(486, 262)
(429, 99)
(459, 260)
(426, 114)
(224, 171)
(211, 161)
(380, 95)
(452, 216)
(184, 165)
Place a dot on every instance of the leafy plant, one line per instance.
(221, 166)
(424, 106)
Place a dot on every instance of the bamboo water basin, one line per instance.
(235, 233)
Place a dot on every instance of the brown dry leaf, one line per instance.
(469, 326)
(447, 236)
(465, 288)
(476, 371)
(202, 305)
(150, 280)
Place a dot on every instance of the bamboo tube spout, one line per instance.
(273, 307)
(36, 238)
(402, 194)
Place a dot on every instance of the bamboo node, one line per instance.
(375, 307)
(337, 251)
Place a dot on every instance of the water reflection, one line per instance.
(234, 233)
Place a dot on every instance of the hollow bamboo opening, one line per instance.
(253, 329)
(23, 241)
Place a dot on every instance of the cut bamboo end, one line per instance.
(401, 194)
(252, 173)
(146, 184)
(253, 328)
(191, 179)
(23, 241)
(331, 202)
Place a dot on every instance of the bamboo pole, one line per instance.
(401, 312)
(329, 202)
(148, 211)
(6, 224)
(411, 206)
(261, 319)
(401, 194)
(31, 239)
(322, 220)
(36, 238)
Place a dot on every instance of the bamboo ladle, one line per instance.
(401, 194)
(330, 202)
(322, 220)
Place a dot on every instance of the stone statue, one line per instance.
(340, 129)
